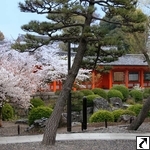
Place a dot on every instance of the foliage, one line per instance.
(124, 90)
(90, 99)
(76, 99)
(146, 93)
(114, 93)
(87, 34)
(38, 113)
(36, 102)
(1, 36)
(87, 92)
(101, 116)
(100, 92)
(135, 108)
(118, 112)
(136, 95)
(130, 101)
(7, 112)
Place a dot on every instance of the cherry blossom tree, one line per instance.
(22, 74)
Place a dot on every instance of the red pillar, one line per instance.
(141, 78)
(54, 86)
(93, 79)
(110, 80)
(126, 78)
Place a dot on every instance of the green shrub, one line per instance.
(135, 108)
(90, 99)
(100, 92)
(114, 93)
(124, 90)
(7, 112)
(77, 95)
(146, 93)
(36, 102)
(101, 116)
(76, 99)
(136, 95)
(118, 112)
(128, 112)
(38, 113)
(87, 92)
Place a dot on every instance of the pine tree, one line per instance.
(60, 14)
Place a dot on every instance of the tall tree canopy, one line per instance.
(59, 14)
(1, 36)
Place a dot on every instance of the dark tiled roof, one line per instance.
(129, 59)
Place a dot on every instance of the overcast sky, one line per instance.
(12, 19)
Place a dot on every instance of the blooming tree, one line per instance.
(22, 74)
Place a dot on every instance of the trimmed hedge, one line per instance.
(117, 113)
(87, 92)
(76, 100)
(36, 102)
(7, 112)
(100, 92)
(101, 116)
(136, 95)
(124, 90)
(90, 99)
(38, 113)
(135, 108)
(114, 93)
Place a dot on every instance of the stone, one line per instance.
(126, 118)
(116, 102)
(22, 121)
(101, 103)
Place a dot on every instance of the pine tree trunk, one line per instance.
(53, 121)
(142, 115)
(0, 116)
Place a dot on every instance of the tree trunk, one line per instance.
(0, 116)
(53, 121)
(141, 116)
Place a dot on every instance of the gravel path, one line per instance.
(75, 145)
(85, 145)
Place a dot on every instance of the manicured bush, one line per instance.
(36, 102)
(87, 92)
(7, 112)
(135, 108)
(118, 112)
(128, 112)
(100, 92)
(114, 93)
(38, 113)
(77, 95)
(76, 99)
(124, 90)
(101, 116)
(146, 93)
(90, 99)
(137, 95)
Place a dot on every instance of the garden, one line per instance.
(133, 99)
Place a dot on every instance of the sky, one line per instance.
(12, 19)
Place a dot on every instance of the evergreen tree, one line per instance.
(59, 17)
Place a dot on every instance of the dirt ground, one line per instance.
(9, 128)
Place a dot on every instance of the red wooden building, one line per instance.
(129, 70)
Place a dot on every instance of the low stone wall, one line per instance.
(45, 96)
